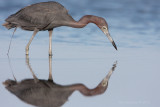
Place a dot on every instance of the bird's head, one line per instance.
(104, 27)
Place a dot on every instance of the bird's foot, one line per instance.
(50, 54)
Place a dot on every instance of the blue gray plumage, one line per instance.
(43, 16)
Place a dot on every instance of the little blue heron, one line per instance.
(48, 15)
(47, 93)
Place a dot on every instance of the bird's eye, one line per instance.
(104, 27)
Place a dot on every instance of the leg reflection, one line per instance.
(30, 68)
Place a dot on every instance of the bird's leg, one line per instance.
(27, 47)
(50, 42)
(30, 68)
(50, 69)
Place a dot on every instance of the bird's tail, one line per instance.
(9, 82)
(9, 25)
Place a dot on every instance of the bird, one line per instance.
(49, 15)
(47, 93)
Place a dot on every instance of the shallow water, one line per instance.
(86, 56)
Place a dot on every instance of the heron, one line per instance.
(47, 93)
(49, 15)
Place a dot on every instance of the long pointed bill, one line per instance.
(105, 31)
(111, 40)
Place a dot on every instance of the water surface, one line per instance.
(86, 56)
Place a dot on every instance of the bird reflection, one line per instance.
(46, 93)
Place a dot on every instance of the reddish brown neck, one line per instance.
(84, 21)
(89, 92)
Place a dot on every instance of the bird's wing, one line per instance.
(37, 15)
(28, 17)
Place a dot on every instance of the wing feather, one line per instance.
(37, 15)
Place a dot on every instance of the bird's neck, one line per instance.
(84, 21)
